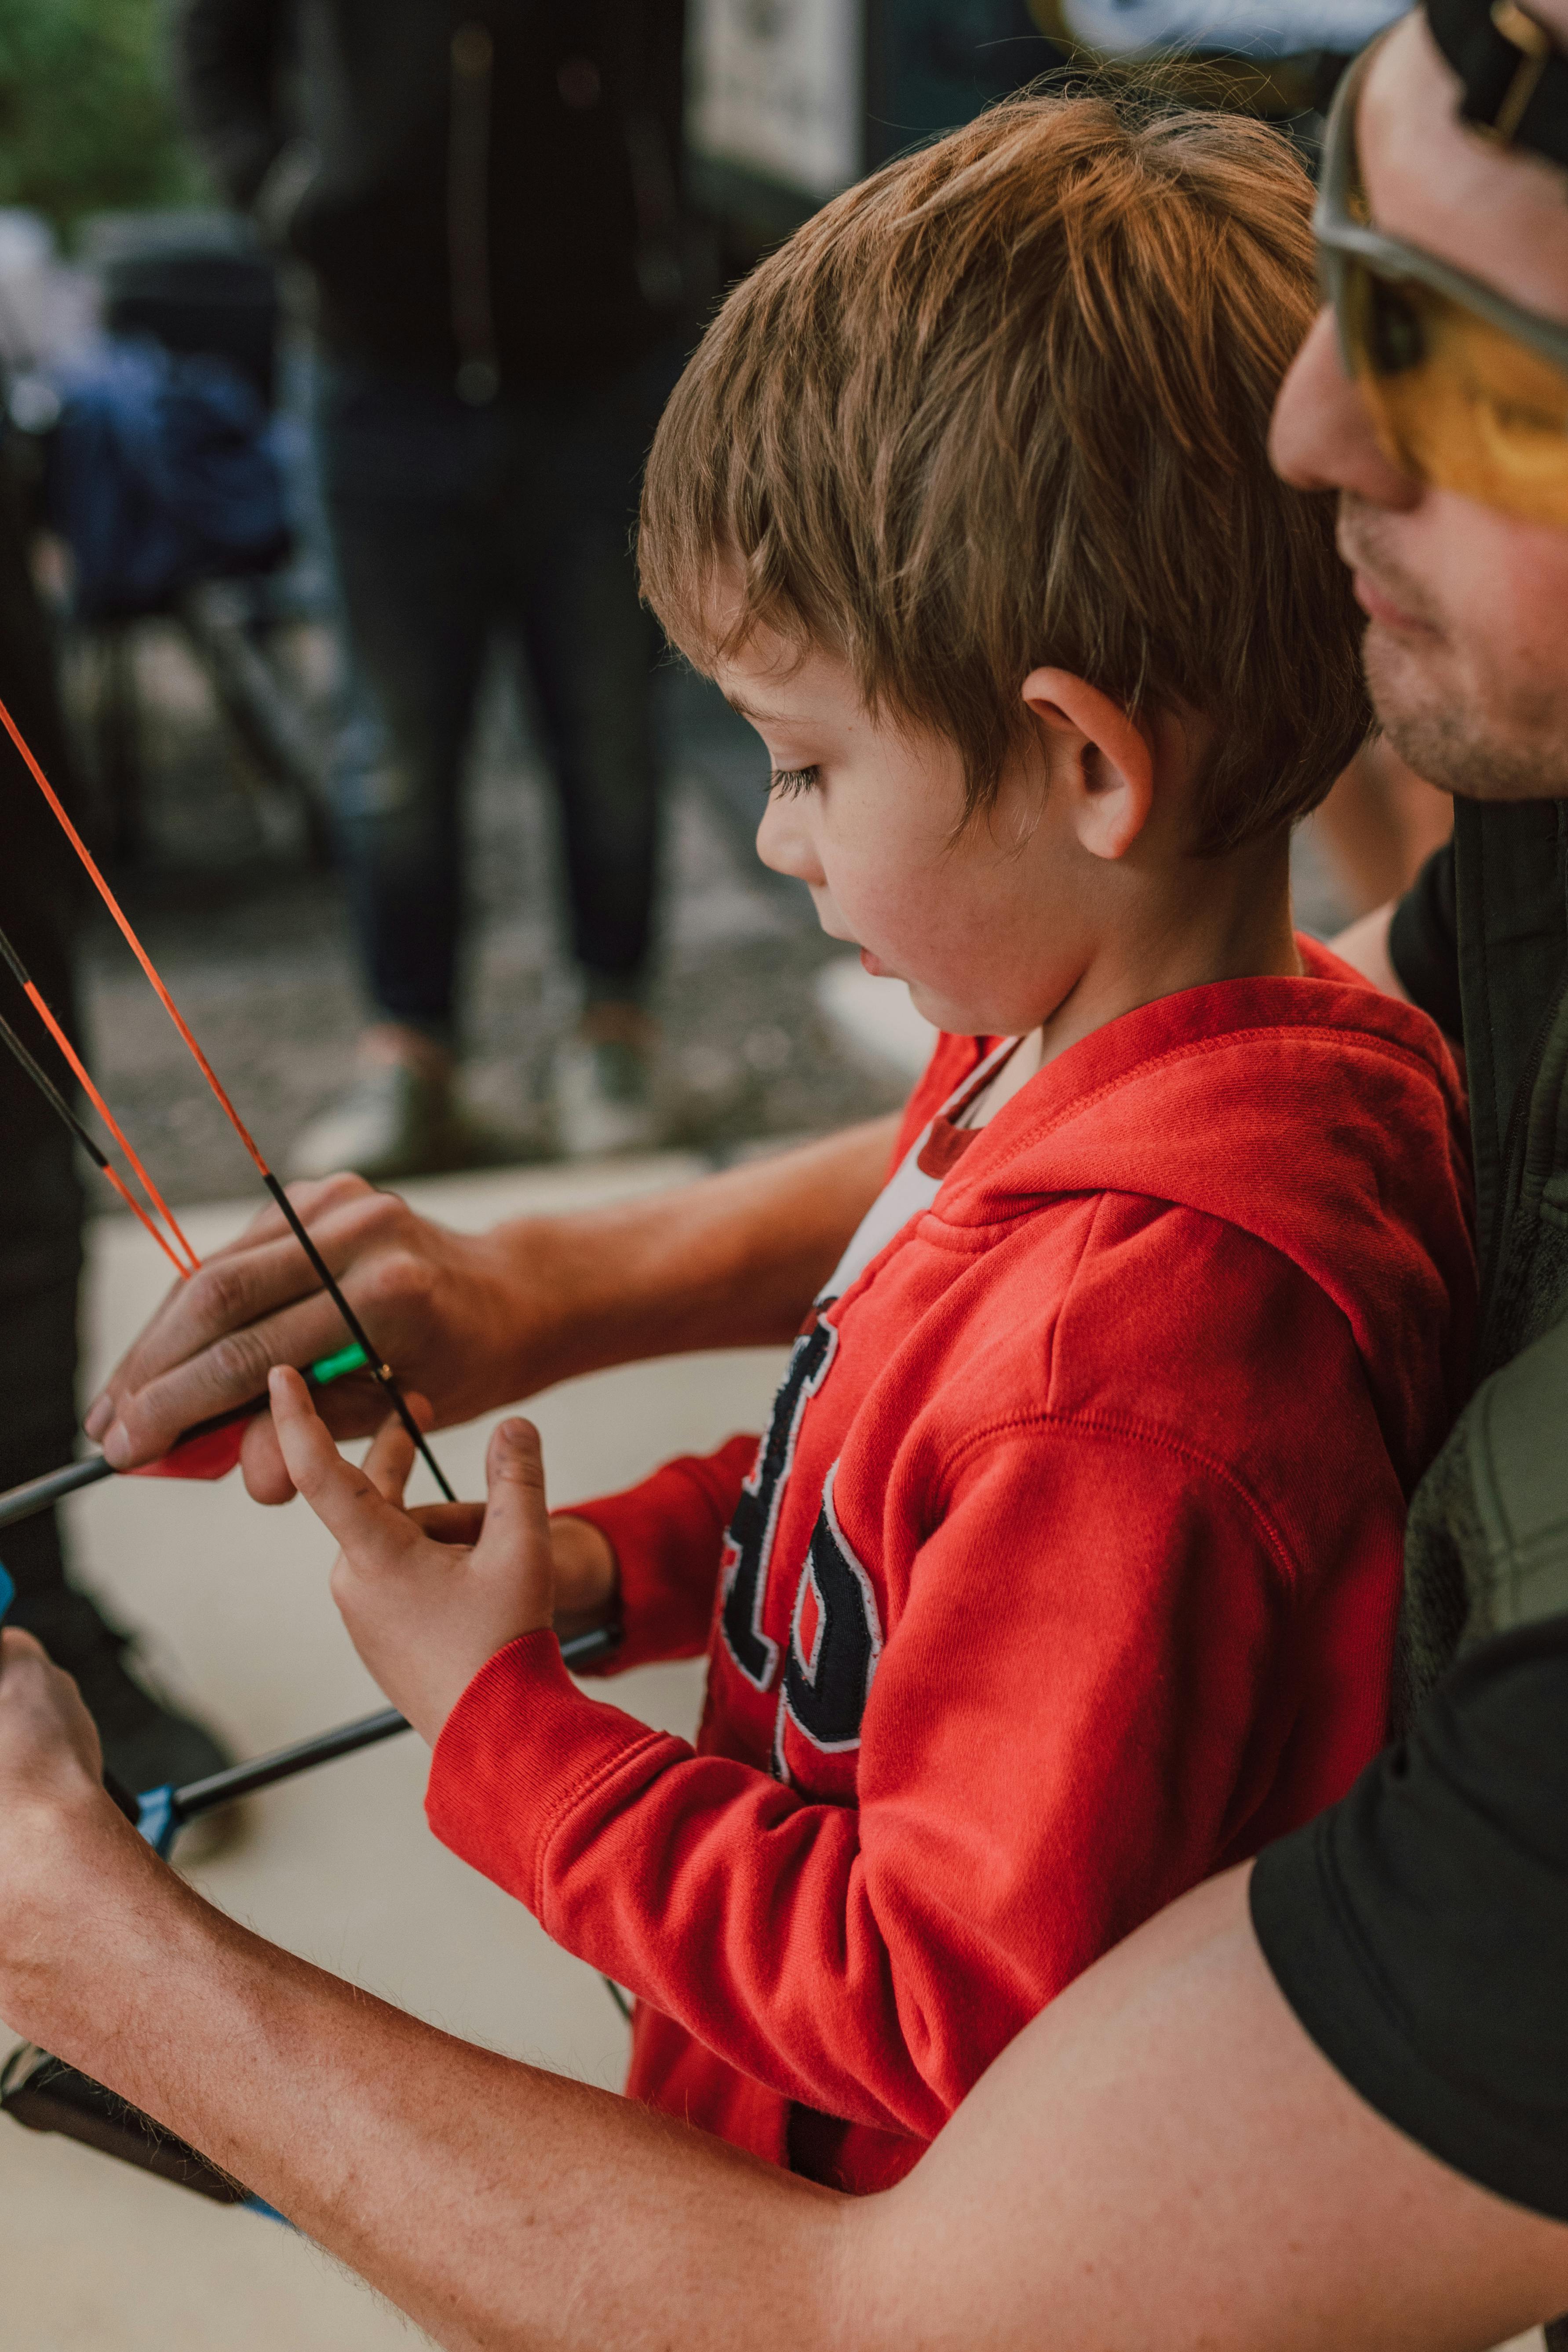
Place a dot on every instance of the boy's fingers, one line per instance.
(393, 1455)
(308, 1449)
(390, 1460)
(372, 1530)
(449, 1523)
(517, 1523)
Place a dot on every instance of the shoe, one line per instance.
(147, 1743)
(604, 1084)
(394, 1121)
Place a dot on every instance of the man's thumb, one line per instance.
(516, 1519)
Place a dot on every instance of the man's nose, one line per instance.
(1322, 438)
(783, 841)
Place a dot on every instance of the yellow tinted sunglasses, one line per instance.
(1467, 390)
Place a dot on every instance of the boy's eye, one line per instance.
(788, 781)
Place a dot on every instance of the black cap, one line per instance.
(1515, 75)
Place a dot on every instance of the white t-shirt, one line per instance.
(910, 1189)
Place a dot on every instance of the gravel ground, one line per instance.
(254, 943)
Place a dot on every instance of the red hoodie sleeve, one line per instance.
(1036, 1775)
(667, 1535)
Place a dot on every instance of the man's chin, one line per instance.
(1429, 717)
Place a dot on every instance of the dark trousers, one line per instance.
(40, 1197)
(447, 522)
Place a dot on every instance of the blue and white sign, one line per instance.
(774, 87)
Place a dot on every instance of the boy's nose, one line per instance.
(1322, 437)
(784, 843)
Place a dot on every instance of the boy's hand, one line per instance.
(427, 1596)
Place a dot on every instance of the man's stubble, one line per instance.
(1431, 715)
(1465, 715)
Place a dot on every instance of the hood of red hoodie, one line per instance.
(1316, 1114)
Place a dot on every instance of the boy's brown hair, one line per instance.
(1006, 403)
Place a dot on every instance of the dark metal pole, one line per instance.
(38, 1494)
(198, 1797)
(22, 1502)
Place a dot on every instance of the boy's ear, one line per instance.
(1110, 763)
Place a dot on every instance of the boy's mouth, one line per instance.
(878, 969)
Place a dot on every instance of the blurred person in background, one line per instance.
(488, 199)
(146, 1741)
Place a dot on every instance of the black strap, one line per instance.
(1515, 79)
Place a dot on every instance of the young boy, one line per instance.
(1068, 1571)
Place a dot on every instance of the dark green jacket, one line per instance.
(1487, 1541)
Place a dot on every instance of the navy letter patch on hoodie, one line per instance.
(836, 1640)
(748, 1547)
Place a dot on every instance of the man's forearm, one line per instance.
(1364, 945)
(499, 2205)
(1164, 2159)
(475, 1321)
(1161, 2159)
(731, 1262)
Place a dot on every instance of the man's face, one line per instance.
(1467, 647)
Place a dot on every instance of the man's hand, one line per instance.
(448, 1309)
(49, 1752)
(474, 1322)
(427, 1596)
(61, 1837)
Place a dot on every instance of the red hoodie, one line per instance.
(1066, 1575)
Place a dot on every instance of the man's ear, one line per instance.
(1109, 762)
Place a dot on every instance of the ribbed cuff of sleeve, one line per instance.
(667, 1535)
(521, 1747)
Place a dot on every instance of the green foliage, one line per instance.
(86, 121)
